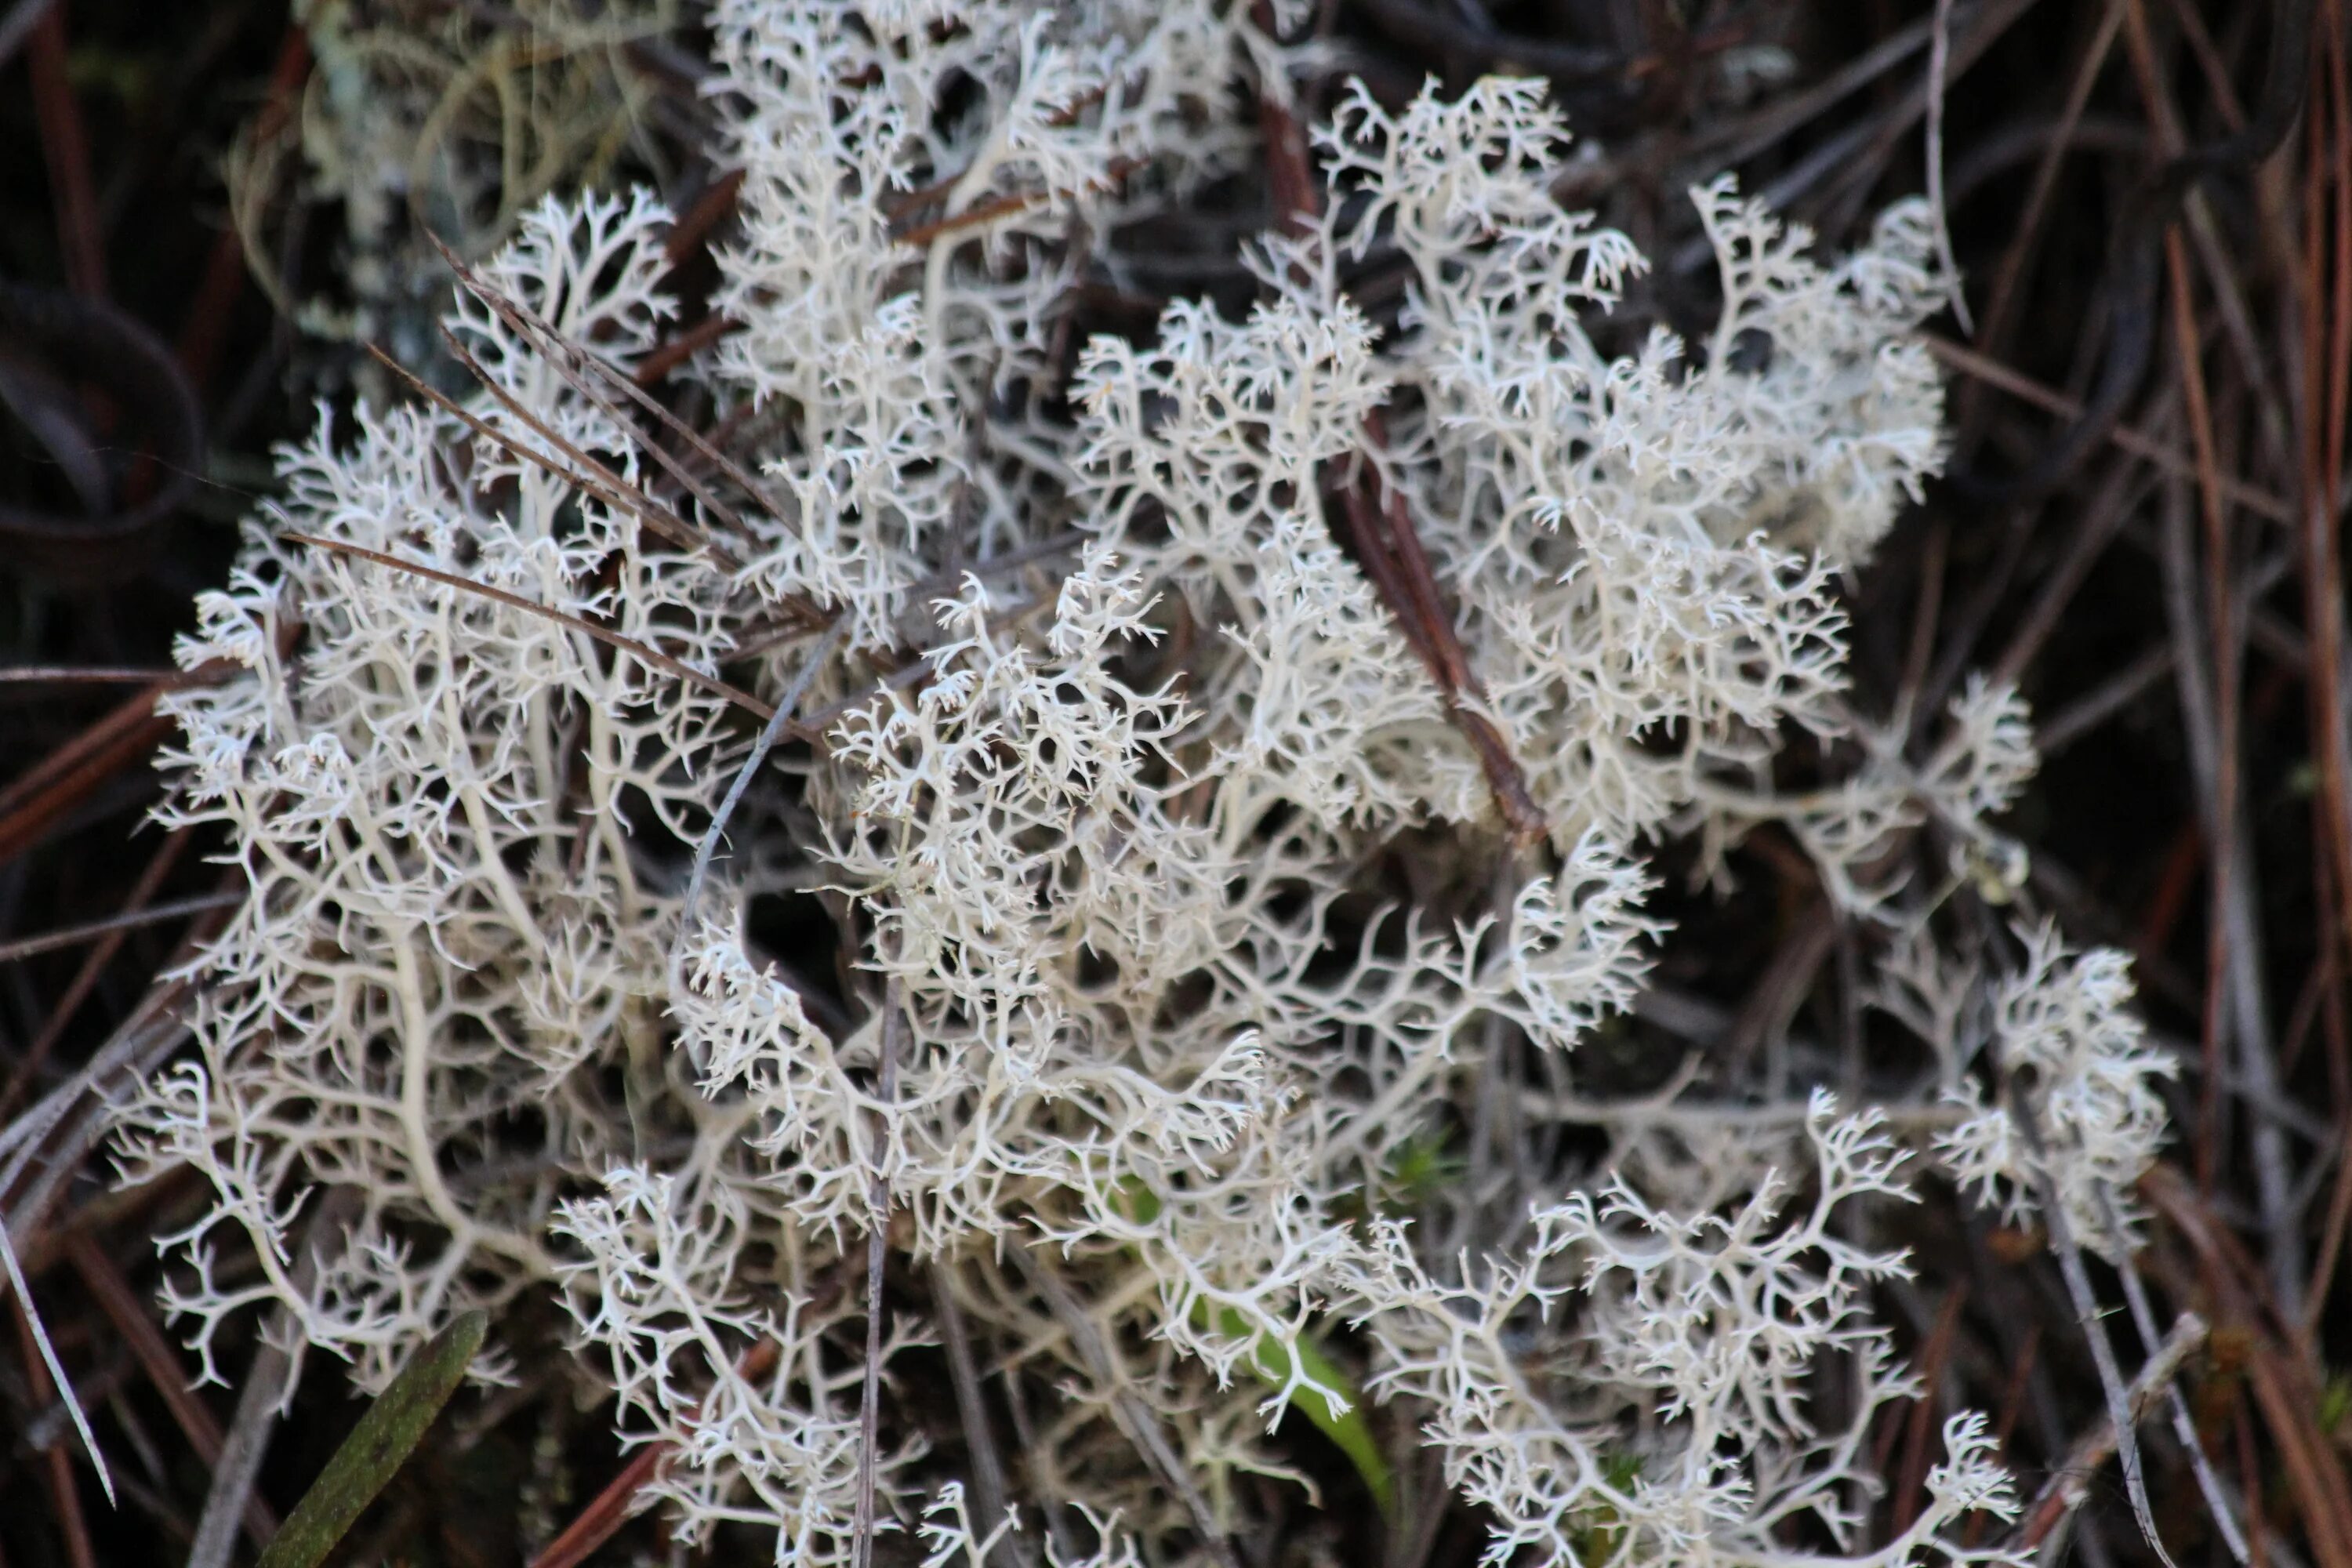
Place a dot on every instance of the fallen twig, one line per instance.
(2070, 1482)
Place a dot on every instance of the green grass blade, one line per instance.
(1351, 1433)
(377, 1446)
(1271, 1363)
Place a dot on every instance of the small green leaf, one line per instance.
(377, 1446)
(2334, 1403)
(1597, 1534)
(1271, 1363)
(1350, 1433)
(1423, 1165)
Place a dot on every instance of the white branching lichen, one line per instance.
(1108, 732)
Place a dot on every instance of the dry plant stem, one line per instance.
(2324, 407)
(2228, 680)
(1391, 552)
(2137, 442)
(630, 646)
(2313, 1468)
(571, 363)
(655, 367)
(1005, 206)
(2101, 518)
(2001, 312)
(578, 366)
(2238, 984)
(66, 149)
(598, 481)
(709, 210)
(110, 934)
(129, 1315)
(1136, 1418)
(2284, 1383)
(2166, 124)
(610, 1509)
(1432, 26)
(205, 322)
(2104, 702)
(1735, 144)
(1851, 161)
(2137, 253)
(131, 1044)
(1933, 1360)
(670, 525)
(1926, 605)
(62, 781)
(152, 1040)
(2184, 1425)
(877, 1241)
(42, 1384)
(1939, 60)
(2121, 1417)
(1380, 523)
(150, 1032)
(990, 1495)
(778, 723)
(2070, 1480)
(107, 933)
(258, 1403)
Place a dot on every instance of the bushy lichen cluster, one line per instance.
(1092, 727)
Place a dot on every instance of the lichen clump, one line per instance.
(1095, 728)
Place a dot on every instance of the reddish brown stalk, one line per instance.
(1380, 524)
(1999, 315)
(2327, 294)
(597, 480)
(584, 370)
(899, 204)
(2313, 1471)
(630, 646)
(710, 210)
(2185, 857)
(44, 1249)
(202, 332)
(1933, 1359)
(663, 521)
(65, 780)
(1005, 206)
(2138, 443)
(611, 1508)
(1288, 171)
(2326, 406)
(2331, 1241)
(67, 150)
(2174, 884)
(85, 980)
(1390, 550)
(667, 357)
(2013, 1404)
(2279, 1372)
(2241, 1423)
